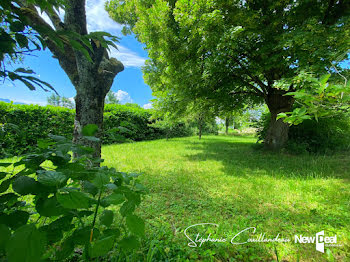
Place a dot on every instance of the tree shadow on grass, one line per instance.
(182, 204)
(243, 159)
(225, 181)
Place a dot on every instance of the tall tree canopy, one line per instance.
(234, 51)
(81, 54)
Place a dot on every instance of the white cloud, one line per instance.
(30, 102)
(99, 20)
(123, 97)
(148, 106)
(127, 57)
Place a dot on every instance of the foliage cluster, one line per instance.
(18, 39)
(128, 122)
(50, 204)
(314, 135)
(238, 53)
(23, 125)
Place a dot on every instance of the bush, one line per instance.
(62, 207)
(311, 136)
(21, 126)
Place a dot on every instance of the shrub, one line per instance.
(62, 207)
(21, 126)
(311, 136)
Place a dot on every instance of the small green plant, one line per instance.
(52, 204)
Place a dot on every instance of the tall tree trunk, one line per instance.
(200, 127)
(277, 133)
(227, 123)
(89, 110)
(91, 76)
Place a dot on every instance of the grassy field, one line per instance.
(224, 180)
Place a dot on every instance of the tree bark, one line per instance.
(200, 126)
(227, 123)
(277, 133)
(89, 110)
(92, 78)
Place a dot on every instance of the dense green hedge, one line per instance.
(128, 122)
(22, 125)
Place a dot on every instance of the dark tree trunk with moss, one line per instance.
(92, 78)
(89, 110)
(277, 133)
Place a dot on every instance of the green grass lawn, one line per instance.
(224, 180)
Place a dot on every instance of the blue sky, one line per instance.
(128, 85)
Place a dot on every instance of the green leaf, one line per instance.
(101, 179)
(9, 199)
(89, 188)
(135, 225)
(114, 199)
(52, 235)
(102, 247)
(3, 175)
(28, 84)
(65, 250)
(127, 208)
(111, 232)
(106, 218)
(21, 40)
(132, 196)
(5, 234)
(81, 236)
(92, 138)
(90, 130)
(5, 185)
(5, 164)
(85, 213)
(111, 187)
(129, 243)
(23, 70)
(54, 231)
(49, 207)
(17, 26)
(51, 178)
(27, 244)
(24, 185)
(324, 78)
(70, 198)
(64, 223)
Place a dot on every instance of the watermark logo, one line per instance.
(320, 239)
(199, 239)
(249, 235)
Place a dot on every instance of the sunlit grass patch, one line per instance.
(224, 180)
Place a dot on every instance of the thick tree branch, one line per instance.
(257, 90)
(109, 68)
(253, 78)
(55, 19)
(75, 16)
(66, 56)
